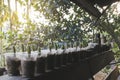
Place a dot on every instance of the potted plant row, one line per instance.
(42, 64)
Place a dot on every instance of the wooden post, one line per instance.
(87, 6)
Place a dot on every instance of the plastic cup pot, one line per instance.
(75, 57)
(64, 58)
(40, 65)
(2, 70)
(105, 48)
(78, 56)
(61, 59)
(28, 68)
(50, 62)
(82, 54)
(70, 58)
(58, 60)
(13, 65)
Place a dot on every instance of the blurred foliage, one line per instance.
(67, 22)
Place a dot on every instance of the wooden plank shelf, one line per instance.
(86, 5)
(113, 75)
(99, 61)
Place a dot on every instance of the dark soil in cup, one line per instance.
(50, 62)
(85, 54)
(97, 49)
(61, 57)
(2, 70)
(13, 65)
(28, 68)
(75, 56)
(82, 54)
(40, 65)
(58, 60)
(65, 59)
(90, 53)
(70, 58)
(105, 48)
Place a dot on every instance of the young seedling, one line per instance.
(77, 44)
(68, 45)
(63, 47)
(74, 45)
(71, 44)
(56, 46)
(50, 47)
(23, 49)
(29, 51)
(33, 47)
(39, 51)
(14, 50)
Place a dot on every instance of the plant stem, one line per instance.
(14, 50)
(63, 47)
(39, 51)
(23, 48)
(29, 51)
